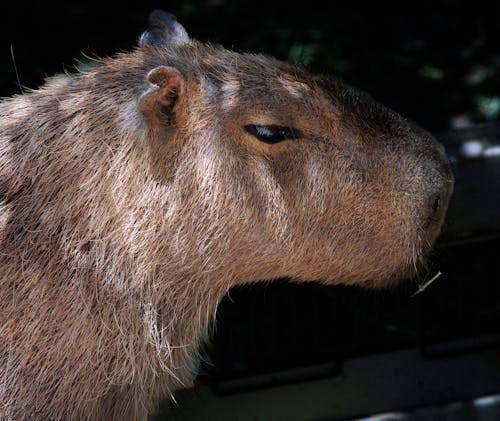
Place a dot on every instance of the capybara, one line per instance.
(135, 195)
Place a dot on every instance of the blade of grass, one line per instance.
(422, 287)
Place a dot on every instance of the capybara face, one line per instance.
(134, 196)
(293, 175)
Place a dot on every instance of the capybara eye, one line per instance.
(272, 134)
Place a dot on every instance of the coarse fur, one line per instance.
(132, 199)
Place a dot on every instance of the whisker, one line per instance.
(15, 68)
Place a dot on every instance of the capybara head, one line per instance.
(134, 196)
(286, 173)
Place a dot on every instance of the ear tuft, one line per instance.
(164, 30)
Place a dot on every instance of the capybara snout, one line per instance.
(134, 196)
(364, 190)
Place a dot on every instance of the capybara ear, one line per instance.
(164, 30)
(158, 103)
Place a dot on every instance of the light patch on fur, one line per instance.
(157, 334)
(230, 90)
(22, 108)
(4, 217)
(315, 175)
(272, 193)
(206, 170)
(72, 103)
(294, 88)
(210, 91)
(130, 120)
(58, 80)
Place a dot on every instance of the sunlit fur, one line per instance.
(119, 235)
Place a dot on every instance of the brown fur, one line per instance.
(129, 207)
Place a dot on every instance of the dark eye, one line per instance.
(272, 134)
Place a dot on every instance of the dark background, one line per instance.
(433, 62)
(438, 64)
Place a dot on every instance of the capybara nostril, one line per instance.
(444, 190)
(434, 207)
(436, 204)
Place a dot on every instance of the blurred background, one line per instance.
(303, 352)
